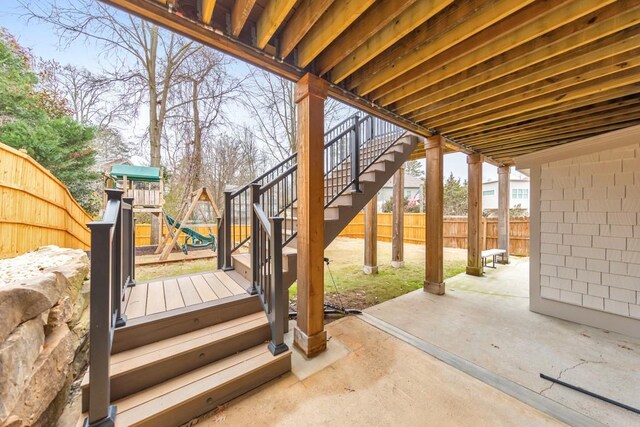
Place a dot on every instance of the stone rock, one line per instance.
(49, 376)
(59, 314)
(21, 301)
(81, 304)
(18, 355)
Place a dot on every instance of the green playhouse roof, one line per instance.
(136, 173)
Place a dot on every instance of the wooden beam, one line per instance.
(621, 79)
(206, 10)
(465, 35)
(537, 141)
(336, 20)
(434, 201)
(371, 237)
(369, 24)
(561, 107)
(591, 29)
(240, 14)
(539, 72)
(591, 120)
(504, 195)
(553, 83)
(309, 334)
(303, 19)
(271, 19)
(609, 107)
(414, 80)
(415, 15)
(474, 216)
(440, 23)
(397, 235)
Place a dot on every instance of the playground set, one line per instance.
(146, 186)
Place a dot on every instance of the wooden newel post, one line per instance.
(474, 248)
(371, 237)
(397, 239)
(309, 334)
(434, 189)
(504, 191)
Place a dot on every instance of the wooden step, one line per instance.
(183, 398)
(143, 367)
(161, 326)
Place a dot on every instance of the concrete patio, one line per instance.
(368, 377)
(486, 321)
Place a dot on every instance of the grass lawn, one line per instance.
(359, 290)
(356, 289)
(152, 272)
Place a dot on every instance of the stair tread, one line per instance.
(131, 360)
(162, 398)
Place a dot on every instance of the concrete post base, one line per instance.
(474, 271)
(310, 345)
(506, 261)
(397, 264)
(434, 288)
(370, 269)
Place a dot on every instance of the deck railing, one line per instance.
(112, 271)
(263, 211)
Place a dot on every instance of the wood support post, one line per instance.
(434, 254)
(309, 334)
(397, 238)
(371, 237)
(474, 248)
(504, 190)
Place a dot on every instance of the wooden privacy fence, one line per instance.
(36, 209)
(455, 231)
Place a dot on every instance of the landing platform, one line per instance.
(172, 293)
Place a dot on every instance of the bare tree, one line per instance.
(198, 106)
(143, 58)
(271, 101)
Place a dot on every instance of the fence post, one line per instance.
(220, 239)
(276, 345)
(355, 157)
(227, 231)
(255, 240)
(101, 311)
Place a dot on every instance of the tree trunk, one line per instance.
(197, 140)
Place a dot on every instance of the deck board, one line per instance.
(203, 289)
(155, 298)
(160, 295)
(189, 293)
(218, 287)
(172, 294)
(137, 305)
(229, 283)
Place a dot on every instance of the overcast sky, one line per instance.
(44, 43)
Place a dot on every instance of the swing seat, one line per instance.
(193, 239)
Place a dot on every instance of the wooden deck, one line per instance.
(176, 292)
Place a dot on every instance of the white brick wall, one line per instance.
(590, 231)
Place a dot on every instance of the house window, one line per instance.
(520, 193)
(488, 192)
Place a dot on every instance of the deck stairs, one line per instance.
(168, 368)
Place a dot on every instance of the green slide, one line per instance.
(194, 239)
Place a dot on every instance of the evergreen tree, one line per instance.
(455, 196)
(39, 123)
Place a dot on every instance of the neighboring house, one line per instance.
(519, 196)
(412, 186)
